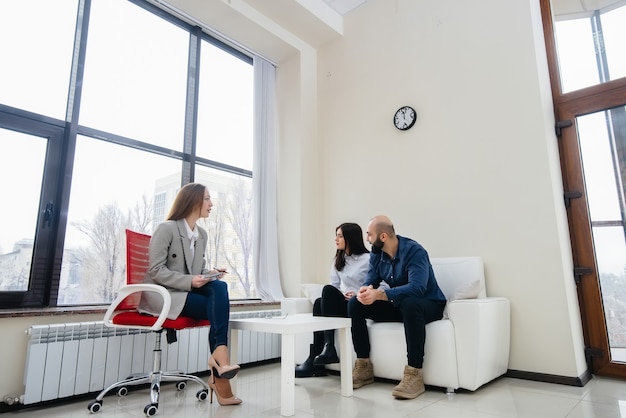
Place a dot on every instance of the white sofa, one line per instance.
(466, 349)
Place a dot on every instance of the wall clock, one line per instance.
(404, 118)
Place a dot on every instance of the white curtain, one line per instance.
(266, 274)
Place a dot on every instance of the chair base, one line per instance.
(153, 378)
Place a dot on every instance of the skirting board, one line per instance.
(580, 381)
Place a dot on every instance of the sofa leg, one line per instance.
(449, 391)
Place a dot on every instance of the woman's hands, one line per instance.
(202, 279)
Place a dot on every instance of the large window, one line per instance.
(107, 107)
(588, 67)
(590, 46)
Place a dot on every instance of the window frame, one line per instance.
(44, 285)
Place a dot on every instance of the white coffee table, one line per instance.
(288, 327)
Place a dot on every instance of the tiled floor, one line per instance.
(259, 387)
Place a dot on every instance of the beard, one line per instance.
(377, 246)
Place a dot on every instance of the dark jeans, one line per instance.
(414, 312)
(210, 302)
(332, 303)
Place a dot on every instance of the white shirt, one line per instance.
(351, 278)
(193, 236)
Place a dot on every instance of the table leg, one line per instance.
(345, 357)
(234, 346)
(234, 356)
(287, 375)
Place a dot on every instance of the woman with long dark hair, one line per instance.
(347, 274)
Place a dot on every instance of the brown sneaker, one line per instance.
(363, 373)
(412, 384)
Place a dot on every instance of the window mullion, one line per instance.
(191, 108)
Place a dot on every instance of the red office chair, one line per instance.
(123, 314)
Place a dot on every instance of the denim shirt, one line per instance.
(409, 273)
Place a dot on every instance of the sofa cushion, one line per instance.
(460, 277)
(469, 291)
(312, 291)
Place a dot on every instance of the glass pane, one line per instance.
(106, 198)
(576, 54)
(602, 190)
(613, 23)
(582, 61)
(225, 108)
(23, 154)
(135, 74)
(610, 247)
(603, 151)
(230, 228)
(36, 44)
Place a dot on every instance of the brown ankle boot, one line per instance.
(363, 373)
(412, 384)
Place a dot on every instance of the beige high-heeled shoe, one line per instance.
(224, 393)
(228, 371)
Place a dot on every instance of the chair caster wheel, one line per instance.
(181, 385)
(202, 394)
(150, 410)
(95, 407)
(123, 391)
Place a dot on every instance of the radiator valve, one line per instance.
(10, 400)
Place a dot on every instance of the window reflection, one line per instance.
(42, 49)
(230, 228)
(225, 108)
(18, 216)
(135, 74)
(589, 44)
(603, 151)
(101, 207)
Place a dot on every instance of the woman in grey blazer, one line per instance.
(178, 263)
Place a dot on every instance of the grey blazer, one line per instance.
(172, 266)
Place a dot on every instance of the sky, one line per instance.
(135, 83)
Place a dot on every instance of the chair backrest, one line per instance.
(137, 259)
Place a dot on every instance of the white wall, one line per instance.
(477, 175)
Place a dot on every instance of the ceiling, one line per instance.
(343, 6)
(274, 29)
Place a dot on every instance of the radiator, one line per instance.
(70, 359)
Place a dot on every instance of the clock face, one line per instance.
(404, 118)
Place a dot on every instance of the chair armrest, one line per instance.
(128, 290)
(294, 306)
(482, 333)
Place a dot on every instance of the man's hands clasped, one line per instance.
(368, 295)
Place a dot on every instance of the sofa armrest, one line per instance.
(482, 333)
(294, 306)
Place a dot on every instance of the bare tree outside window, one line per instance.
(102, 262)
(239, 215)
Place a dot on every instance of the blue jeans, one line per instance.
(210, 302)
(414, 312)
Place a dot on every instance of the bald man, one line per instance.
(413, 298)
